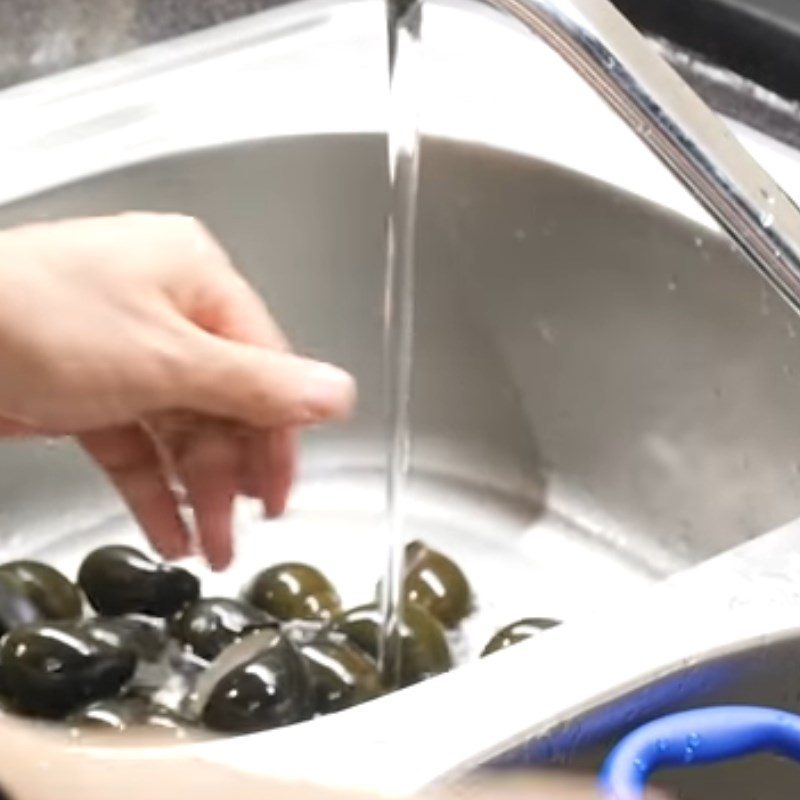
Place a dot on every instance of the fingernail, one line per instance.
(272, 510)
(219, 563)
(329, 392)
(219, 556)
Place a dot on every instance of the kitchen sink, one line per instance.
(604, 396)
(604, 417)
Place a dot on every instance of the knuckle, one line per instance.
(210, 448)
(178, 230)
(182, 229)
(197, 239)
(191, 224)
(192, 229)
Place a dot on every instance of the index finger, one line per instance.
(222, 301)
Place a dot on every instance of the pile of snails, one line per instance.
(284, 651)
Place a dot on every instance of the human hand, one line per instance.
(135, 334)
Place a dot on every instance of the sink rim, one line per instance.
(145, 103)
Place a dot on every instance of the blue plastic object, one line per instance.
(701, 736)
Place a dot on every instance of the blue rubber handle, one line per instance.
(701, 736)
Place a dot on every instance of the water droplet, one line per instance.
(766, 218)
(672, 285)
(663, 745)
(639, 765)
(609, 60)
(520, 234)
(791, 330)
(744, 462)
(698, 241)
(693, 740)
(796, 467)
(787, 370)
(688, 755)
(546, 331)
(768, 196)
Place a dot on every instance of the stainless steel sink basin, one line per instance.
(593, 367)
(605, 396)
(589, 369)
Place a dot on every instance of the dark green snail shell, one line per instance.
(209, 625)
(424, 648)
(292, 591)
(121, 580)
(124, 713)
(517, 632)
(270, 690)
(145, 636)
(435, 582)
(342, 675)
(56, 597)
(50, 669)
(16, 607)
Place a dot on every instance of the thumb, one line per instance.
(263, 388)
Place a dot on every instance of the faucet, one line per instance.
(689, 138)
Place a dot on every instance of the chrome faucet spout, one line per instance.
(699, 149)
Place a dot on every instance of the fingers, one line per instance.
(209, 467)
(282, 468)
(10, 428)
(270, 466)
(130, 459)
(212, 459)
(210, 292)
(258, 387)
(229, 307)
(226, 305)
